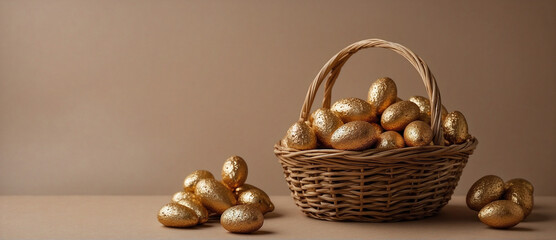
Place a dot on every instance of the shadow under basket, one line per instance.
(374, 185)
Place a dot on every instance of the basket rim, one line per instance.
(426, 154)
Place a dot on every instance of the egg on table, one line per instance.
(176, 215)
(234, 172)
(242, 219)
(214, 195)
(485, 190)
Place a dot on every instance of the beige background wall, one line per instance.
(127, 97)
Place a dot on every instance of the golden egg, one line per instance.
(184, 195)
(382, 93)
(214, 195)
(521, 182)
(357, 135)
(284, 142)
(378, 128)
(324, 123)
(253, 195)
(197, 207)
(521, 195)
(417, 133)
(301, 136)
(484, 191)
(501, 214)
(390, 140)
(176, 215)
(354, 109)
(192, 179)
(398, 115)
(242, 219)
(234, 172)
(455, 128)
(424, 105)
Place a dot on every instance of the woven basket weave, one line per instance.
(374, 185)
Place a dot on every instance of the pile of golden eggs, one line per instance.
(384, 121)
(501, 204)
(240, 206)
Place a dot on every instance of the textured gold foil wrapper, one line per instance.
(354, 109)
(197, 207)
(521, 195)
(521, 182)
(378, 128)
(357, 135)
(214, 195)
(417, 133)
(424, 107)
(301, 136)
(455, 128)
(191, 180)
(501, 214)
(249, 194)
(398, 115)
(184, 196)
(242, 219)
(234, 172)
(176, 215)
(382, 93)
(485, 190)
(324, 123)
(390, 140)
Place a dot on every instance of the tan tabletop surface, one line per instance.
(134, 217)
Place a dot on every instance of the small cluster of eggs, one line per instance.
(240, 206)
(501, 205)
(384, 121)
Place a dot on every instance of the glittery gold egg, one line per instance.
(354, 109)
(417, 133)
(382, 93)
(249, 194)
(398, 115)
(284, 142)
(424, 107)
(390, 140)
(197, 207)
(378, 128)
(242, 219)
(191, 180)
(301, 136)
(214, 195)
(484, 191)
(357, 135)
(521, 182)
(234, 172)
(324, 123)
(455, 128)
(521, 195)
(184, 195)
(176, 215)
(501, 214)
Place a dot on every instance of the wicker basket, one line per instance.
(374, 185)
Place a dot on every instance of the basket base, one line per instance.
(367, 219)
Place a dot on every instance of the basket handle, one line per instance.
(332, 69)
